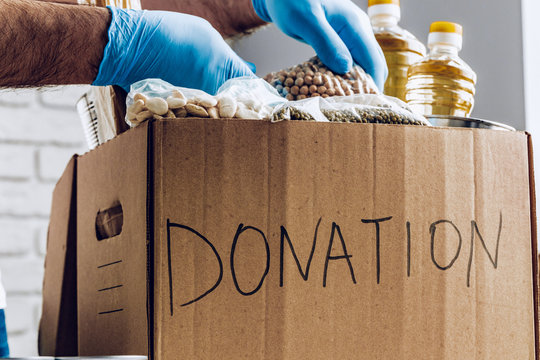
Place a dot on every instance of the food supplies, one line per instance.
(253, 98)
(313, 79)
(244, 98)
(442, 83)
(359, 108)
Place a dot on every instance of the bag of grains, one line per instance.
(313, 79)
(244, 98)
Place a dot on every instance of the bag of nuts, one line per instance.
(244, 98)
(313, 79)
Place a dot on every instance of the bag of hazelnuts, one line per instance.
(313, 79)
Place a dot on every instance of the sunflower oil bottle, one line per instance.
(442, 83)
(400, 47)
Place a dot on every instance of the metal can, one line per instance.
(116, 357)
(466, 122)
(126, 4)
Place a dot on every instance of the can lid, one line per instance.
(446, 27)
(383, 2)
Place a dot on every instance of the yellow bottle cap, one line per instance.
(383, 2)
(446, 27)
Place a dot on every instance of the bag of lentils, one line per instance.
(359, 108)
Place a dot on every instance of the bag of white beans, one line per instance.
(243, 98)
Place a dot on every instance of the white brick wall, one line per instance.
(39, 131)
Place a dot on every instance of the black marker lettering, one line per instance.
(345, 255)
(494, 262)
(432, 230)
(285, 235)
(169, 260)
(377, 241)
(240, 230)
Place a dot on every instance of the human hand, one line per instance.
(338, 30)
(181, 49)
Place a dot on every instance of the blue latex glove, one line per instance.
(181, 49)
(338, 30)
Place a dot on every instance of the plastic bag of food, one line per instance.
(306, 110)
(244, 98)
(313, 79)
(359, 108)
(370, 108)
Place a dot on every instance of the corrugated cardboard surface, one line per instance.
(112, 272)
(58, 325)
(534, 233)
(409, 242)
(458, 287)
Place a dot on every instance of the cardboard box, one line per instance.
(239, 239)
(58, 325)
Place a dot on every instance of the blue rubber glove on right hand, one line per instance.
(338, 30)
(181, 49)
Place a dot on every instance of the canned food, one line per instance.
(466, 122)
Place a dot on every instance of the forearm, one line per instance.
(229, 17)
(50, 44)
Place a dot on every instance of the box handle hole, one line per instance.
(109, 222)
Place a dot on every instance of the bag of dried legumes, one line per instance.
(370, 108)
(358, 108)
(313, 79)
(306, 109)
(244, 98)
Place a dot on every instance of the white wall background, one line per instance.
(531, 61)
(39, 131)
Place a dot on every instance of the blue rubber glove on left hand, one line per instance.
(181, 49)
(338, 30)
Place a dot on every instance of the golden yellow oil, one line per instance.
(400, 51)
(441, 86)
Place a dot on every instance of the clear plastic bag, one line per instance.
(306, 110)
(359, 108)
(313, 79)
(244, 98)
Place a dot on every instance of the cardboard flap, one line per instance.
(112, 272)
(58, 325)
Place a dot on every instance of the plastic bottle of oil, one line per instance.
(400, 47)
(442, 83)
